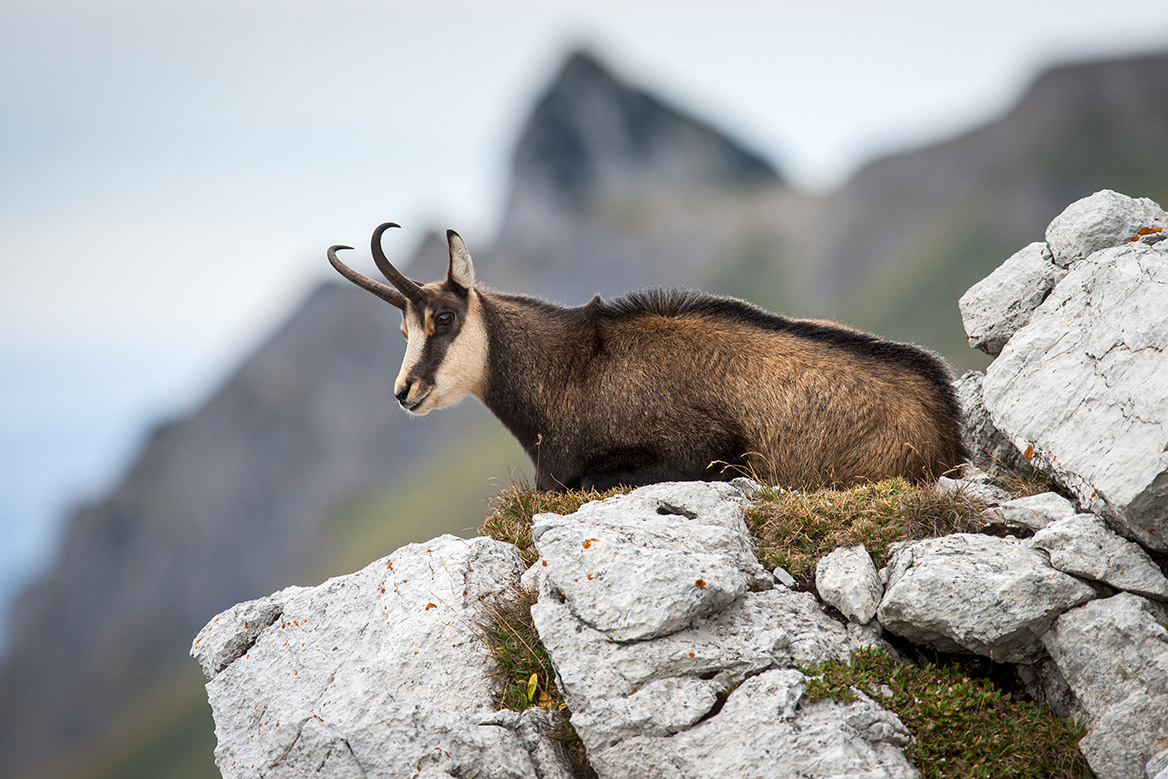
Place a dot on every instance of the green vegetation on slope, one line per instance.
(963, 727)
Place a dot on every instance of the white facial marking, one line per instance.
(465, 367)
(462, 370)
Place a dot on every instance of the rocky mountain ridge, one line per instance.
(670, 640)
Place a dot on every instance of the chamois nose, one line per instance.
(404, 392)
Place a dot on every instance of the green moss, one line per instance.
(963, 727)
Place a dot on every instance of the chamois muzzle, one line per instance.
(406, 289)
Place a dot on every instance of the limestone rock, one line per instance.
(765, 729)
(1084, 546)
(1032, 512)
(783, 577)
(1157, 767)
(847, 579)
(993, 309)
(1082, 389)
(375, 673)
(685, 545)
(1114, 655)
(231, 634)
(1101, 221)
(976, 486)
(649, 705)
(598, 676)
(973, 593)
(987, 446)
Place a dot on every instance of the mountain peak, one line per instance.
(591, 134)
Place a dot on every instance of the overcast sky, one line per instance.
(170, 172)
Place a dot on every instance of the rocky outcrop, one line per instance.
(673, 701)
(971, 593)
(378, 673)
(1114, 655)
(1081, 389)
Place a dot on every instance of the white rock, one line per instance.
(231, 634)
(847, 579)
(376, 673)
(765, 729)
(1157, 767)
(774, 628)
(660, 690)
(994, 308)
(1084, 546)
(783, 577)
(1114, 655)
(964, 592)
(1082, 390)
(975, 488)
(1033, 511)
(685, 546)
(987, 446)
(1102, 221)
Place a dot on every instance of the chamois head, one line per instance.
(446, 340)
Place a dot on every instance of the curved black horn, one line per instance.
(406, 286)
(388, 294)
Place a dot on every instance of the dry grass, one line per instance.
(513, 508)
(795, 529)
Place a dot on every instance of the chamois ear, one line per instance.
(461, 268)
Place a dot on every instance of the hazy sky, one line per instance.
(170, 172)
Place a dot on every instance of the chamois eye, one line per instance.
(445, 319)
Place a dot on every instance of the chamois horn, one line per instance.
(385, 292)
(407, 287)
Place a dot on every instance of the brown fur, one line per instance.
(599, 399)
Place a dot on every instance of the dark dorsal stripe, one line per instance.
(686, 302)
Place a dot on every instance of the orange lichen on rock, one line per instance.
(701, 584)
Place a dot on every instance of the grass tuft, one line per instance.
(963, 727)
(513, 508)
(794, 529)
(524, 672)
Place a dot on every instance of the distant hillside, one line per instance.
(303, 453)
(910, 233)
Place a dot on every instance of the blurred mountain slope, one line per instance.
(910, 233)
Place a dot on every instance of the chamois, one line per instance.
(670, 385)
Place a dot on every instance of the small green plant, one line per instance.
(523, 672)
(963, 727)
(794, 529)
(516, 504)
